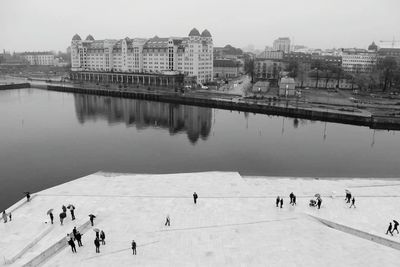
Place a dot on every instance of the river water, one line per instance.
(48, 138)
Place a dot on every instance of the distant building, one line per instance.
(287, 87)
(270, 54)
(327, 59)
(39, 58)
(191, 56)
(389, 52)
(282, 44)
(226, 68)
(358, 60)
(373, 47)
(267, 69)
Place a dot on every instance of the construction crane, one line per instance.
(393, 42)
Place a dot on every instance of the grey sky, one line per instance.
(50, 24)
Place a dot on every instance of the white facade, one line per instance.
(192, 55)
(358, 61)
(282, 44)
(39, 58)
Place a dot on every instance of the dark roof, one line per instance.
(225, 63)
(373, 46)
(76, 38)
(205, 33)
(89, 38)
(194, 32)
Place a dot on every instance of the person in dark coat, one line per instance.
(291, 198)
(353, 201)
(103, 237)
(195, 196)
(348, 197)
(389, 230)
(78, 237)
(97, 245)
(281, 202)
(74, 231)
(97, 235)
(319, 202)
(294, 200)
(62, 217)
(72, 213)
(72, 244)
(395, 225)
(91, 216)
(133, 247)
(167, 221)
(4, 215)
(28, 196)
(277, 201)
(64, 209)
(51, 217)
(10, 216)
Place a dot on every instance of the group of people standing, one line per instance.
(75, 236)
(100, 237)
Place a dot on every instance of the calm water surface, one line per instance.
(50, 137)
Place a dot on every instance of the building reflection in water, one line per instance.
(195, 121)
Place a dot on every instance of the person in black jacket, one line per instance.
(97, 244)
(103, 237)
(51, 217)
(195, 196)
(91, 216)
(78, 237)
(74, 231)
(277, 201)
(133, 247)
(389, 230)
(281, 202)
(395, 225)
(72, 244)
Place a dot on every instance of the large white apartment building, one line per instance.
(358, 60)
(192, 55)
(39, 58)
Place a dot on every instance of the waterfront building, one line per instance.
(190, 56)
(358, 60)
(282, 44)
(226, 68)
(39, 58)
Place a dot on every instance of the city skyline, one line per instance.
(331, 24)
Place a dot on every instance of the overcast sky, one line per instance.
(27, 25)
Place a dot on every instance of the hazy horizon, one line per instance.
(49, 25)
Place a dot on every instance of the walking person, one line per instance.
(4, 215)
(62, 216)
(291, 198)
(294, 200)
(72, 213)
(395, 225)
(281, 202)
(319, 202)
(195, 196)
(133, 247)
(28, 196)
(72, 244)
(91, 216)
(51, 217)
(78, 237)
(10, 216)
(167, 221)
(97, 245)
(64, 209)
(277, 201)
(103, 237)
(353, 201)
(389, 230)
(74, 231)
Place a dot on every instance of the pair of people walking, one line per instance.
(392, 228)
(279, 201)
